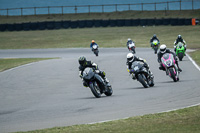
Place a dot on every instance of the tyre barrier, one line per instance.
(51, 25)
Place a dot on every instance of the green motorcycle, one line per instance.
(155, 45)
(180, 51)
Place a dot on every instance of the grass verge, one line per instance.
(6, 64)
(181, 121)
(105, 37)
(196, 56)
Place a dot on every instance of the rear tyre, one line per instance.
(95, 89)
(133, 50)
(142, 81)
(109, 91)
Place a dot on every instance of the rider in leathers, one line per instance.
(179, 39)
(163, 50)
(129, 42)
(130, 59)
(153, 38)
(84, 64)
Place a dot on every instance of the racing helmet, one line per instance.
(163, 48)
(82, 60)
(130, 57)
(179, 36)
(93, 41)
(154, 35)
(129, 39)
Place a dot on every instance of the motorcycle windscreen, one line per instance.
(88, 73)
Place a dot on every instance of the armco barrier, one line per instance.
(66, 24)
(93, 23)
(42, 25)
(97, 23)
(89, 23)
(82, 24)
(105, 23)
(127, 22)
(26, 26)
(3, 27)
(18, 27)
(58, 25)
(112, 23)
(158, 21)
(135, 22)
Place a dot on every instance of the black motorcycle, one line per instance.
(142, 74)
(96, 83)
(95, 50)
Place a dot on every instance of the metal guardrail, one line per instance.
(90, 8)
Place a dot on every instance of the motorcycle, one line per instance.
(180, 51)
(96, 83)
(95, 50)
(142, 74)
(170, 66)
(131, 47)
(155, 45)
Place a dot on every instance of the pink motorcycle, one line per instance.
(170, 66)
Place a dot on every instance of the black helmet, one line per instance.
(179, 36)
(154, 35)
(82, 60)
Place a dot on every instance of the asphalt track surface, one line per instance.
(49, 93)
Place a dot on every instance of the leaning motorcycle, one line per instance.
(95, 50)
(131, 47)
(96, 83)
(142, 74)
(155, 45)
(180, 51)
(170, 66)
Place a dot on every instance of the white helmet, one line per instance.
(130, 57)
(129, 39)
(163, 48)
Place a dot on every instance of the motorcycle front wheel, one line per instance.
(95, 89)
(172, 74)
(142, 81)
(180, 56)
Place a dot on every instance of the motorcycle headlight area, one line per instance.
(168, 62)
(135, 68)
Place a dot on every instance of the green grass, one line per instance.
(6, 64)
(196, 56)
(105, 37)
(181, 121)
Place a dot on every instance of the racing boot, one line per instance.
(133, 76)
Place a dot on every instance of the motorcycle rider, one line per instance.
(130, 59)
(153, 38)
(129, 42)
(93, 43)
(84, 63)
(179, 39)
(163, 50)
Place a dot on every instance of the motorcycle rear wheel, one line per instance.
(109, 92)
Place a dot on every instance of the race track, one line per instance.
(49, 93)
